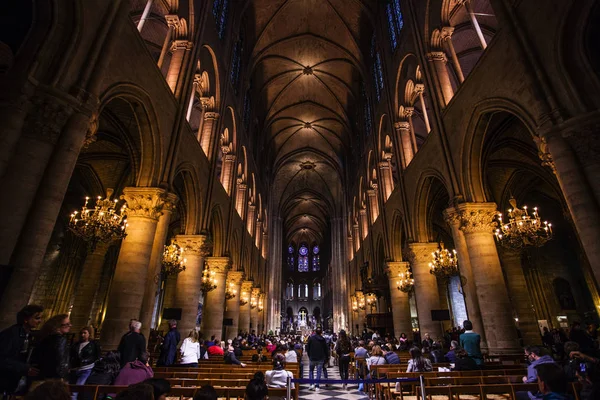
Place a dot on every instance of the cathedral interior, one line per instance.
(278, 165)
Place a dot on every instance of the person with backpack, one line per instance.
(343, 349)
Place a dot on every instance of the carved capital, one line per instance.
(90, 134)
(208, 103)
(218, 264)
(543, 152)
(384, 165)
(191, 244)
(419, 253)
(211, 115)
(395, 268)
(235, 277)
(402, 125)
(446, 32)
(477, 217)
(437, 56)
(144, 202)
(419, 88)
(181, 45)
(47, 118)
(247, 286)
(229, 158)
(171, 200)
(452, 217)
(172, 20)
(408, 112)
(256, 292)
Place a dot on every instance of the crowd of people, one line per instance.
(40, 360)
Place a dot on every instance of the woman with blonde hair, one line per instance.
(190, 350)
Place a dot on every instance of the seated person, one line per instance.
(552, 382)
(290, 355)
(134, 372)
(418, 363)
(464, 362)
(230, 357)
(451, 355)
(216, 349)
(436, 355)
(257, 388)
(390, 356)
(277, 377)
(376, 358)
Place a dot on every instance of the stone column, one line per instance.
(519, 295)
(214, 302)
(240, 198)
(206, 139)
(475, 23)
(178, 49)
(403, 133)
(254, 311)
(87, 285)
(373, 203)
(386, 176)
(439, 60)
(144, 207)
(251, 218)
(426, 288)
(478, 224)
(265, 245)
(258, 234)
(244, 320)
(232, 306)
(160, 237)
(189, 282)
(350, 248)
(356, 237)
(452, 218)
(172, 23)
(227, 171)
(400, 306)
(447, 40)
(364, 222)
(420, 89)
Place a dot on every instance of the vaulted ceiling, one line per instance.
(307, 63)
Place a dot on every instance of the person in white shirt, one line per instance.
(290, 355)
(277, 377)
(190, 350)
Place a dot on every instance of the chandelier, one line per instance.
(354, 302)
(371, 299)
(444, 264)
(103, 223)
(522, 229)
(231, 291)
(361, 302)
(405, 282)
(253, 302)
(209, 281)
(172, 261)
(244, 298)
(260, 304)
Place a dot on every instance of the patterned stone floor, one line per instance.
(331, 391)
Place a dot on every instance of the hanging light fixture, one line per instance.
(444, 264)
(253, 302)
(405, 281)
(371, 299)
(231, 291)
(209, 281)
(103, 223)
(244, 298)
(522, 229)
(172, 260)
(354, 302)
(260, 304)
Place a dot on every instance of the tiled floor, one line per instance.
(331, 391)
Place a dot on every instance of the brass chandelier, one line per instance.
(444, 264)
(103, 223)
(260, 304)
(244, 298)
(172, 260)
(209, 280)
(522, 229)
(405, 282)
(253, 302)
(231, 291)
(371, 299)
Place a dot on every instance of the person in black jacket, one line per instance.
(104, 372)
(84, 354)
(51, 356)
(464, 362)
(15, 348)
(318, 352)
(133, 343)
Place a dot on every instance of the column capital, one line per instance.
(543, 152)
(446, 32)
(452, 216)
(395, 268)
(144, 201)
(477, 217)
(235, 277)
(256, 292)
(172, 20)
(218, 264)
(241, 185)
(211, 115)
(399, 125)
(419, 252)
(171, 201)
(384, 165)
(419, 88)
(408, 112)
(181, 45)
(208, 103)
(247, 286)
(229, 158)
(437, 56)
(192, 244)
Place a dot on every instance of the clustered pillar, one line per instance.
(246, 291)
(400, 304)
(214, 302)
(232, 306)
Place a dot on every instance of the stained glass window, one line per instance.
(376, 70)
(236, 63)
(395, 22)
(290, 259)
(219, 11)
(247, 109)
(317, 291)
(368, 122)
(303, 259)
(316, 266)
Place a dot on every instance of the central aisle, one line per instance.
(331, 391)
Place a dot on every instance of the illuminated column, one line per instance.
(400, 306)
(452, 218)
(420, 89)
(426, 287)
(207, 139)
(386, 174)
(227, 170)
(519, 295)
(240, 198)
(403, 133)
(265, 245)
(478, 224)
(178, 50)
(475, 23)
(172, 23)
(373, 204)
(214, 302)
(144, 207)
(147, 314)
(251, 218)
(447, 40)
(258, 233)
(439, 60)
(254, 310)
(143, 19)
(364, 221)
(356, 237)
(244, 320)
(232, 306)
(408, 114)
(189, 282)
(350, 248)
(87, 286)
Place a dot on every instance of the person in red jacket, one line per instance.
(134, 372)
(216, 349)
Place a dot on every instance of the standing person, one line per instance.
(168, 350)
(133, 343)
(52, 354)
(317, 353)
(190, 350)
(343, 349)
(15, 349)
(84, 355)
(471, 342)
